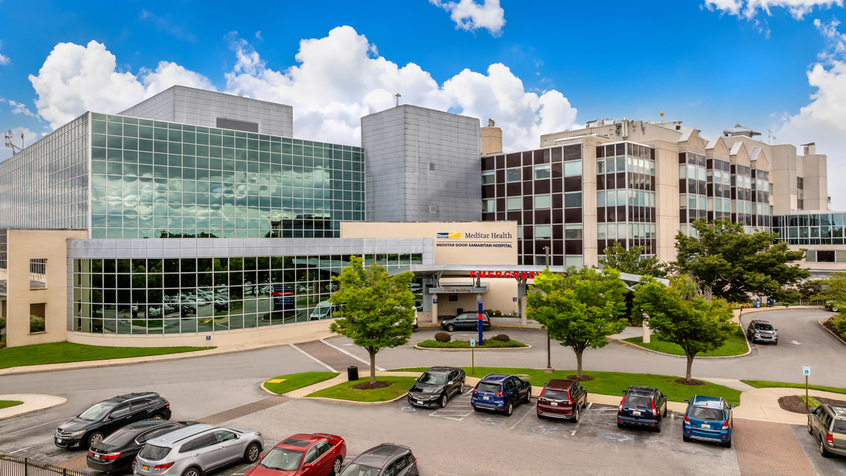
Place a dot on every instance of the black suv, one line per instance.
(91, 426)
(828, 424)
(117, 452)
(466, 321)
(435, 387)
(642, 406)
(761, 331)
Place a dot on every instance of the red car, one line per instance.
(318, 454)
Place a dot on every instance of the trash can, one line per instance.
(352, 373)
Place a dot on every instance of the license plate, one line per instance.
(486, 398)
(145, 467)
(58, 440)
(554, 404)
(96, 456)
(707, 427)
(636, 413)
(420, 402)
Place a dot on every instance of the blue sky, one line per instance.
(534, 67)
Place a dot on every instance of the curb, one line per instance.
(715, 357)
(820, 322)
(33, 410)
(351, 402)
(416, 346)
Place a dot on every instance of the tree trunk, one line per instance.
(372, 365)
(579, 363)
(689, 365)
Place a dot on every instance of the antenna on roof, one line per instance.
(771, 138)
(398, 96)
(9, 136)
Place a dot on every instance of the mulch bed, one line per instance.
(371, 386)
(828, 325)
(794, 403)
(692, 381)
(583, 378)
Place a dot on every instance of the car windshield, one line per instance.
(700, 413)
(154, 453)
(97, 412)
(356, 469)
(638, 402)
(432, 379)
(763, 327)
(282, 459)
(555, 394)
(488, 387)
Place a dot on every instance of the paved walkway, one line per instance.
(767, 448)
(31, 403)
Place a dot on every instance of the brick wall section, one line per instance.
(767, 448)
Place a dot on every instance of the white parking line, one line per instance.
(314, 358)
(520, 420)
(351, 355)
(31, 427)
(18, 451)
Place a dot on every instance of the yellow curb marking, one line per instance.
(276, 380)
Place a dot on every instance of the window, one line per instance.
(488, 177)
(600, 166)
(513, 175)
(543, 202)
(543, 232)
(573, 200)
(576, 261)
(542, 172)
(222, 435)
(513, 203)
(572, 232)
(120, 411)
(488, 206)
(572, 169)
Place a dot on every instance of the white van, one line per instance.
(322, 311)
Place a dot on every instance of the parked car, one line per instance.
(436, 386)
(828, 424)
(385, 459)
(562, 399)
(761, 331)
(198, 449)
(93, 425)
(221, 304)
(117, 453)
(466, 321)
(709, 419)
(303, 455)
(642, 406)
(323, 310)
(831, 306)
(500, 392)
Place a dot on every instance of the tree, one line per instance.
(680, 314)
(631, 261)
(579, 308)
(735, 264)
(377, 310)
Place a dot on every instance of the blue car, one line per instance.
(500, 393)
(708, 419)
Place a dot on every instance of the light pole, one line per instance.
(548, 342)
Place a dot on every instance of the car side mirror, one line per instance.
(687, 401)
(306, 466)
(261, 457)
(811, 410)
(731, 406)
(624, 392)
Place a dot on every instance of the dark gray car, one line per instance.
(384, 460)
(197, 450)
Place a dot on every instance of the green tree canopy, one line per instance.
(579, 308)
(680, 314)
(833, 288)
(632, 261)
(377, 310)
(735, 264)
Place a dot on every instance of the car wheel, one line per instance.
(658, 428)
(461, 388)
(477, 409)
(528, 395)
(444, 401)
(450, 328)
(620, 425)
(95, 438)
(584, 403)
(336, 466)
(685, 438)
(727, 444)
(810, 428)
(540, 417)
(158, 417)
(665, 410)
(576, 415)
(509, 409)
(775, 343)
(824, 452)
(132, 467)
(192, 471)
(251, 454)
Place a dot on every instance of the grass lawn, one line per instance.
(343, 391)
(613, 383)
(465, 344)
(734, 345)
(61, 352)
(769, 384)
(294, 381)
(9, 403)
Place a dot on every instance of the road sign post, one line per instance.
(472, 356)
(806, 370)
(481, 327)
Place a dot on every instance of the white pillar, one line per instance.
(646, 332)
(434, 309)
(523, 319)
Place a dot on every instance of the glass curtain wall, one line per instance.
(153, 179)
(173, 296)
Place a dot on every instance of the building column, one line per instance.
(646, 332)
(434, 309)
(521, 296)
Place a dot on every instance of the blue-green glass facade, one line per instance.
(160, 179)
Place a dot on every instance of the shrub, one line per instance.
(2, 322)
(839, 323)
(3, 341)
(501, 338)
(36, 324)
(442, 337)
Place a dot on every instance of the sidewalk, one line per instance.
(31, 403)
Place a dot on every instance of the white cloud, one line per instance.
(340, 78)
(835, 41)
(469, 15)
(4, 60)
(750, 8)
(76, 78)
(20, 108)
